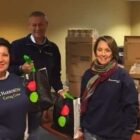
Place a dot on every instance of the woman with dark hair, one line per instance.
(109, 99)
(13, 100)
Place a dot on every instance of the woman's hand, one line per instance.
(79, 135)
(62, 92)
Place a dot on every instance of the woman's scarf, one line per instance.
(101, 73)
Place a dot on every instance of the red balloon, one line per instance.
(31, 85)
(65, 110)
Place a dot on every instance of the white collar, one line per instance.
(6, 76)
(33, 39)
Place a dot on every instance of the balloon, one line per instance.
(28, 60)
(31, 85)
(68, 95)
(33, 97)
(61, 121)
(65, 110)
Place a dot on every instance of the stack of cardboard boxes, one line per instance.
(132, 63)
(79, 55)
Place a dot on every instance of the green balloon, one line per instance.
(33, 97)
(61, 121)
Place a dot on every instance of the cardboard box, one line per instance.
(77, 66)
(81, 34)
(78, 59)
(74, 88)
(80, 39)
(131, 51)
(135, 76)
(74, 78)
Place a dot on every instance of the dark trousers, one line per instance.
(34, 120)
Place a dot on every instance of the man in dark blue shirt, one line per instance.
(43, 53)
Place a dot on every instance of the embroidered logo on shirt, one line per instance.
(10, 94)
(112, 80)
(49, 53)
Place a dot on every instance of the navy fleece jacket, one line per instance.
(112, 109)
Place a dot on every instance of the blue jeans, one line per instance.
(89, 136)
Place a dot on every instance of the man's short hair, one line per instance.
(38, 14)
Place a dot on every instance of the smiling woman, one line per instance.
(109, 99)
(13, 100)
(4, 60)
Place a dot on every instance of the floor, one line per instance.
(45, 135)
(50, 134)
(42, 134)
(136, 136)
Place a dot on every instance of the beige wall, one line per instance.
(107, 16)
(135, 18)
